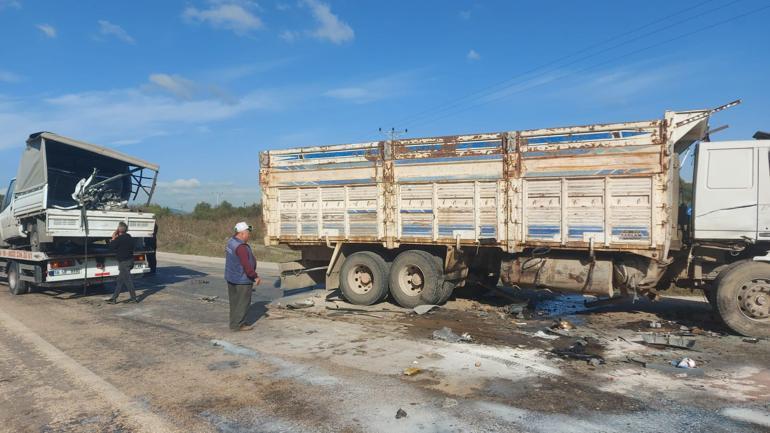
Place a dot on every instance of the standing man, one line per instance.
(122, 245)
(241, 275)
(152, 243)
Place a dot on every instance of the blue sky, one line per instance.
(201, 86)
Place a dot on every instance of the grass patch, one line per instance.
(206, 231)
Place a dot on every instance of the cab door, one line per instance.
(726, 190)
(763, 210)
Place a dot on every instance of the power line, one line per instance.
(431, 119)
(490, 90)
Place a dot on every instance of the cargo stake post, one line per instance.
(590, 209)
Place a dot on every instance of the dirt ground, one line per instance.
(71, 363)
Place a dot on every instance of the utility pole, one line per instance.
(393, 134)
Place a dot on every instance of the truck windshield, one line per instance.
(8, 195)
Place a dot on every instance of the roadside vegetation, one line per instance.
(206, 230)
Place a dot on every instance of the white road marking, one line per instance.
(144, 420)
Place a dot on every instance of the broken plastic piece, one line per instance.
(422, 309)
(669, 340)
(684, 363)
(307, 303)
(411, 371)
(446, 334)
(400, 413)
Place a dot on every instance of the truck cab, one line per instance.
(7, 221)
(732, 191)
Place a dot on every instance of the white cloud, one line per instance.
(226, 15)
(374, 90)
(330, 27)
(181, 183)
(107, 28)
(473, 55)
(8, 77)
(47, 29)
(289, 35)
(126, 115)
(176, 85)
(15, 4)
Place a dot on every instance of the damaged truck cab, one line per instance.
(590, 209)
(62, 208)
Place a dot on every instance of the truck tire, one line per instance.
(364, 278)
(743, 299)
(417, 278)
(15, 285)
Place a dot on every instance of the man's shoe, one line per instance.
(133, 301)
(111, 301)
(246, 327)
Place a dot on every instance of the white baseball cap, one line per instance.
(242, 227)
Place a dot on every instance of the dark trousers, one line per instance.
(240, 301)
(152, 261)
(124, 279)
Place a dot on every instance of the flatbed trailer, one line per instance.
(25, 270)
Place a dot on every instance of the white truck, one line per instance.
(591, 209)
(60, 211)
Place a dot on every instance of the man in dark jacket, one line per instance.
(122, 245)
(241, 275)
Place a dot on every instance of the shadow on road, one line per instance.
(146, 286)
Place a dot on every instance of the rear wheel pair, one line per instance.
(414, 278)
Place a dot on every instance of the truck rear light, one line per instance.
(57, 264)
(139, 258)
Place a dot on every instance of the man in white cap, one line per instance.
(241, 275)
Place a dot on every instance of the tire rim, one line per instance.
(754, 299)
(411, 280)
(361, 279)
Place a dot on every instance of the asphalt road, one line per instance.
(71, 363)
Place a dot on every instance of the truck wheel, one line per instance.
(417, 278)
(743, 299)
(15, 285)
(364, 278)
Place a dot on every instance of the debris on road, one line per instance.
(669, 341)
(400, 413)
(562, 324)
(298, 305)
(751, 340)
(514, 309)
(446, 334)
(448, 403)
(684, 363)
(478, 364)
(578, 351)
(655, 325)
(544, 336)
(412, 371)
(423, 309)
(208, 298)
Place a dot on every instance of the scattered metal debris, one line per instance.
(423, 309)
(667, 368)
(669, 341)
(412, 371)
(400, 413)
(578, 351)
(751, 340)
(208, 298)
(446, 334)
